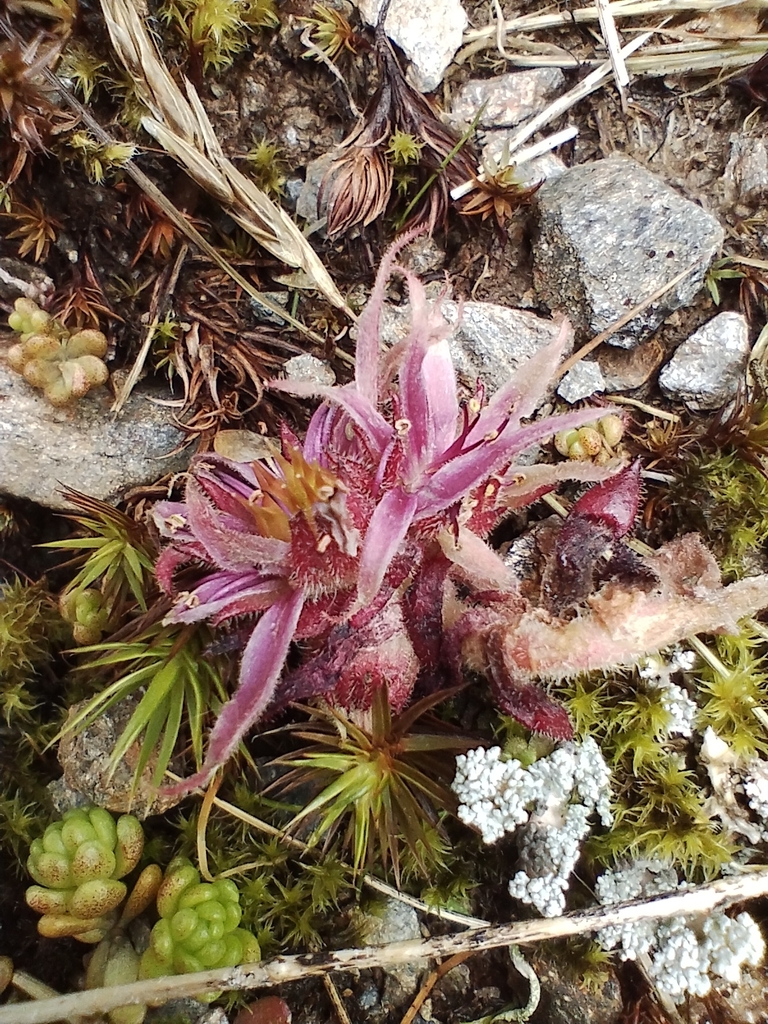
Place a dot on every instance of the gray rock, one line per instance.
(509, 99)
(492, 341)
(609, 235)
(565, 1001)
(746, 174)
(83, 446)
(18, 278)
(429, 32)
(310, 369)
(86, 760)
(706, 370)
(309, 205)
(583, 380)
(489, 343)
(393, 921)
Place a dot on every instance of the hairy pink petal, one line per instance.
(456, 478)
(235, 598)
(370, 421)
(228, 547)
(523, 484)
(263, 660)
(427, 379)
(367, 349)
(386, 532)
(478, 562)
(170, 519)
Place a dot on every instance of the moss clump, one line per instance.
(659, 804)
(217, 30)
(31, 631)
(64, 366)
(733, 685)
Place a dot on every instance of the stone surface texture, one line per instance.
(309, 368)
(706, 370)
(393, 921)
(509, 99)
(746, 174)
(18, 278)
(83, 446)
(565, 1001)
(489, 343)
(429, 32)
(311, 205)
(610, 234)
(584, 379)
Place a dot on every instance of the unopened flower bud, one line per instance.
(612, 429)
(564, 439)
(590, 440)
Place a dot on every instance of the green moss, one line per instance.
(726, 498)
(217, 30)
(30, 630)
(659, 804)
(733, 685)
(266, 167)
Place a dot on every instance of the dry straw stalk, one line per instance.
(690, 902)
(182, 127)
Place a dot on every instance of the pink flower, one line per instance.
(348, 541)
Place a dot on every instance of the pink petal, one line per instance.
(428, 396)
(456, 478)
(228, 547)
(356, 406)
(480, 565)
(524, 484)
(367, 350)
(386, 532)
(219, 599)
(263, 660)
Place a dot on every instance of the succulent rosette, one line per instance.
(198, 926)
(78, 864)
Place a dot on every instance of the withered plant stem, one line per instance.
(698, 901)
(172, 212)
(161, 295)
(598, 339)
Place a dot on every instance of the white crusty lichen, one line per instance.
(657, 674)
(681, 955)
(552, 802)
(756, 789)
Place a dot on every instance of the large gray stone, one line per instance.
(490, 341)
(582, 381)
(746, 174)
(706, 370)
(83, 446)
(609, 235)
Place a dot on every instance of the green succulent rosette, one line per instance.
(198, 927)
(77, 865)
